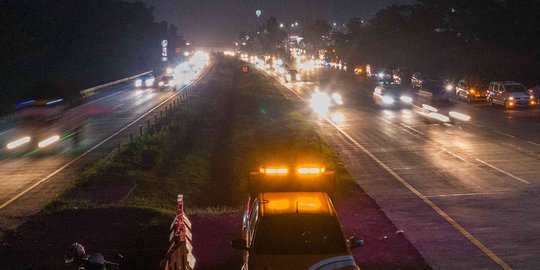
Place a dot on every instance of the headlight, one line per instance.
(511, 98)
(406, 99)
(531, 97)
(387, 100)
(161, 83)
(459, 116)
(149, 82)
(49, 141)
(337, 98)
(449, 87)
(320, 102)
(18, 142)
(138, 83)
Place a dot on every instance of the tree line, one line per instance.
(491, 38)
(55, 48)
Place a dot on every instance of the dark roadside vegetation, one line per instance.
(125, 202)
(496, 40)
(54, 48)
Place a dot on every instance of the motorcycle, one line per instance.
(96, 261)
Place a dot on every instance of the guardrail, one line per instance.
(180, 253)
(87, 92)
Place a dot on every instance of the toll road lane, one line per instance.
(463, 195)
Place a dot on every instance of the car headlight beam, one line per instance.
(49, 141)
(18, 142)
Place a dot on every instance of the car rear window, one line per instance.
(299, 234)
(515, 88)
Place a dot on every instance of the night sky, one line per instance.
(221, 20)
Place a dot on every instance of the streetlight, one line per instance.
(296, 23)
(280, 25)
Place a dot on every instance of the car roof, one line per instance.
(507, 82)
(279, 203)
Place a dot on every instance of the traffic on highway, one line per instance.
(318, 135)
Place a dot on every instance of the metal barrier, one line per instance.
(86, 92)
(180, 253)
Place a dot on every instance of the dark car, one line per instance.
(431, 86)
(294, 230)
(146, 81)
(472, 89)
(167, 82)
(393, 95)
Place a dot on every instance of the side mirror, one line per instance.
(239, 244)
(355, 242)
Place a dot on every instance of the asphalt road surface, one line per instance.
(28, 182)
(467, 195)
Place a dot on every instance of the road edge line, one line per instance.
(28, 189)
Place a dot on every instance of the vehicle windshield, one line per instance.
(513, 88)
(394, 91)
(299, 234)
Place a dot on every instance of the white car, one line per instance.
(510, 94)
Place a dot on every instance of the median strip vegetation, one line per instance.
(205, 151)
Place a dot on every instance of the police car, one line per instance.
(290, 222)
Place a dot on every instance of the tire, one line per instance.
(469, 99)
(490, 102)
(506, 105)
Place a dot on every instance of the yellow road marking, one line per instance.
(438, 210)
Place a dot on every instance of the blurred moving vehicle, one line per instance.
(431, 87)
(393, 95)
(510, 94)
(383, 77)
(42, 124)
(146, 81)
(167, 82)
(292, 75)
(291, 223)
(472, 89)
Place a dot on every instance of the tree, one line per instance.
(354, 26)
(317, 32)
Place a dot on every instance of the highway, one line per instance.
(28, 182)
(465, 195)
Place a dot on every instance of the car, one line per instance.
(392, 95)
(292, 75)
(431, 87)
(290, 222)
(510, 94)
(146, 81)
(167, 82)
(384, 76)
(471, 89)
(294, 230)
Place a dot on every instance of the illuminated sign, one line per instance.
(164, 50)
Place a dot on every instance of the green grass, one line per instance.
(205, 153)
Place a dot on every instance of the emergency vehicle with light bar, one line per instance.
(291, 223)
